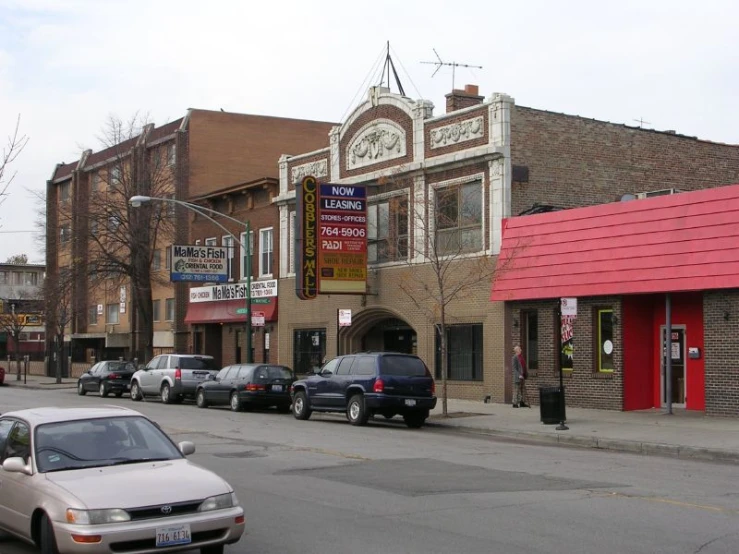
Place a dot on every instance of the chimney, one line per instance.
(459, 99)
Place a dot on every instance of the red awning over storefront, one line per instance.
(226, 311)
(683, 242)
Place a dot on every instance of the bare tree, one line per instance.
(444, 246)
(120, 241)
(17, 259)
(13, 320)
(14, 145)
(57, 295)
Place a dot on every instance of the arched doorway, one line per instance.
(377, 329)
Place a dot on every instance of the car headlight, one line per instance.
(220, 502)
(97, 517)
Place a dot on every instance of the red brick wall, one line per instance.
(721, 344)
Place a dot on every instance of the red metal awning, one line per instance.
(225, 311)
(682, 242)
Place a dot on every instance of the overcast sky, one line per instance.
(66, 65)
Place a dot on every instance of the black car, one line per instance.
(245, 386)
(369, 383)
(106, 377)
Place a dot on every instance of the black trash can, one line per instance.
(551, 405)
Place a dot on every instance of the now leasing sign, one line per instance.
(207, 264)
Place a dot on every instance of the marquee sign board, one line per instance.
(306, 238)
(206, 264)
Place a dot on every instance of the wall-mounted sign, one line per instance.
(306, 239)
(342, 252)
(260, 290)
(345, 318)
(207, 264)
(257, 319)
(100, 309)
(568, 306)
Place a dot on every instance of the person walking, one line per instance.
(518, 366)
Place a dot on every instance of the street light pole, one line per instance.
(136, 201)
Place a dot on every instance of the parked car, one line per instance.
(106, 377)
(248, 385)
(108, 479)
(173, 377)
(366, 384)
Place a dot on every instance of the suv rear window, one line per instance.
(402, 366)
(198, 363)
(264, 373)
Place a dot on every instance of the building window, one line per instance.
(116, 175)
(113, 223)
(65, 233)
(228, 242)
(168, 257)
(198, 242)
(64, 192)
(387, 230)
(156, 312)
(605, 340)
(266, 246)
(94, 228)
(112, 314)
(95, 182)
(293, 233)
(169, 307)
(459, 219)
(530, 338)
(156, 261)
(171, 153)
(3, 277)
(31, 278)
(309, 349)
(212, 241)
(464, 352)
(92, 318)
(242, 238)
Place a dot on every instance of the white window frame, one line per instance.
(211, 241)
(433, 216)
(108, 314)
(265, 243)
(168, 258)
(228, 242)
(156, 310)
(156, 260)
(169, 307)
(171, 153)
(242, 252)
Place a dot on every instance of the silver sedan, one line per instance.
(108, 479)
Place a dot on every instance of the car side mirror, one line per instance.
(17, 465)
(187, 448)
(326, 373)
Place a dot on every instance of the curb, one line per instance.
(610, 444)
(37, 386)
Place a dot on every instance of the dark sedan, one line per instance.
(106, 377)
(245, 386)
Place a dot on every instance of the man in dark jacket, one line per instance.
(518, 365)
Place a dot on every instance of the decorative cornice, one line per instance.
(376, 142)
(317, 169)
(455, 133)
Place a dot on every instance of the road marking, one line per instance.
(679, 503)
(332, 453)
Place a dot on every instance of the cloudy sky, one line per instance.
(66, 65)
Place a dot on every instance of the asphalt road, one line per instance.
(323, 486)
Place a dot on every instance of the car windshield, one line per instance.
(198, 363)
(120, 366)
(100, 442)
(269, 372)
(402, 366)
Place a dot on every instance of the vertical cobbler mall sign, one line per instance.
(332, 239)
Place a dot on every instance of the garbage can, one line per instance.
(551, 406)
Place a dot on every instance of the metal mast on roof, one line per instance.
(386, 69)
(454, 66)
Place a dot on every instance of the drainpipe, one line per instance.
(668, 351)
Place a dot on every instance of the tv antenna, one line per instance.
(386, 70)
(454, 66)
(641, 122)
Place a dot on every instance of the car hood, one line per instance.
(142, 484)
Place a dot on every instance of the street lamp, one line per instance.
(136, 201)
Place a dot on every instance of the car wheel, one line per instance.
(165, 394)
(118, 393)
(213, 549)
(414, 420)
(47, 540)
(356, 413)
(135, 391)
(301, 409)
(81, 388)
(235, 402)
(104, 390)
(200, 399)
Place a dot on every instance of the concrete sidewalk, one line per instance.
(687, 435)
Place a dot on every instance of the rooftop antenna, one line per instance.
(386, 69)
(641, 122)
(454, 65)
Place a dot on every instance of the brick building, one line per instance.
(631, 266)
(204, 157)
(495, 159)
(21, 309)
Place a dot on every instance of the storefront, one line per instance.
(628, 267)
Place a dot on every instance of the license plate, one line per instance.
(276, 388)
(410, 402)
(169, 536)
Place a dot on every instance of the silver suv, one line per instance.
(172, 377)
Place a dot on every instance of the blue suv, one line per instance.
(366, 384)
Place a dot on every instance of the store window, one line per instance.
(459, 218)
(605, 339)
(309, 350)
(464, 352)
(387, 230)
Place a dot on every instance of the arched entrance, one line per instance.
(377, 329)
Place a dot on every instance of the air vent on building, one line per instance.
(662, 192)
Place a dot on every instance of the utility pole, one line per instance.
(454, 66)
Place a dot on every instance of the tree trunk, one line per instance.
(444, 365)
(145, 322)
(16, 349)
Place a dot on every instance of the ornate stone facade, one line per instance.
(377, 142)
(317, 169)
(458, 132)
